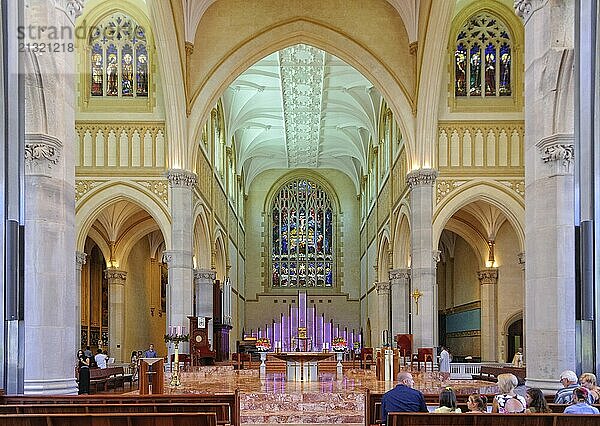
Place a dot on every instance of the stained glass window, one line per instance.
(119, 58)
(302, 236)
(483, 53)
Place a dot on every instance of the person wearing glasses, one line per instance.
(403, 398)
(568, 379)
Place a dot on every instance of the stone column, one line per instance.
(549, 190)
(50, 284)
(180, 256)
(400, 302)
(423, 257)
(521, 260)
(116, 312)
(383, 304)
(488, 279)
(203, 288)
(79, 262)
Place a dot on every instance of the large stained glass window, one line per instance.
(119, 58)
(482, 58)
(302, 236)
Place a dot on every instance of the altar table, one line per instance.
(302, 366)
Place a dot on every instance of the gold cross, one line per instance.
(416, 294)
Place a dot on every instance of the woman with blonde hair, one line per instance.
(508, 401)
(588, 381)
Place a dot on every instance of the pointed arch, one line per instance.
(383, 256)
(401, 242)
(286, 34)
(202, 245)
(491, 192)
(88, 208)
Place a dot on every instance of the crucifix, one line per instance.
(416, 295)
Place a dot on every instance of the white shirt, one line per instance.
(101, 360)
(444, 361)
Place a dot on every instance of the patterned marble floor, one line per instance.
(274, 400)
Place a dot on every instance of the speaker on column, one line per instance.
(14, 270)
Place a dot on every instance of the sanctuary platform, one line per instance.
(328, 400)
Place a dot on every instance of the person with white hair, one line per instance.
(569, 380)
(402, 398)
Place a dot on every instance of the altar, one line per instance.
(302, 366)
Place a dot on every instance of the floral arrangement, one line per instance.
(263, 344)
(176, 338)
(339, 344)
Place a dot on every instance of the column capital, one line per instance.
(421, 177)
(204, 274)
(71, 8)
(558, 151)
(115, 275)
(42, 152)
(80, 258)
(399, 274)
(383, 287)
(525, 8)
(179, 178)
(488, 276)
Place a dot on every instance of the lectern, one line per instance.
(151, 376)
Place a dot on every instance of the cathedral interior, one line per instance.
(387, 167)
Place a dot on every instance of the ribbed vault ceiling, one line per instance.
(302, 107)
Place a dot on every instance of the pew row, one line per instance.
(225, 406)
(221, 410)
(110, 419)
(373, 406)
(471, 419)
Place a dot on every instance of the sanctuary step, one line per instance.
(302, 408)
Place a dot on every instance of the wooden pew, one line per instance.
(221, 409)
(472, 419)
(106, 378)
(110, 419)
(490, 373)
(226, 406)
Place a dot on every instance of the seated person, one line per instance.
(580, 403)
(536, 402)
(568, 379)
(477, 403)
(588, 381)
(403, 398)
(508, 401)
(447, 402)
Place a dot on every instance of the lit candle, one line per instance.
(178, 330)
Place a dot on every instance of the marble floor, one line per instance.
(274, 400)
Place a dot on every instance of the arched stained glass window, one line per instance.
(302, 236)
(119, 58)
(482, 58)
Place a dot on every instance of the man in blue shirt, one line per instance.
(150, 353)
(580, 404)
(403, 398)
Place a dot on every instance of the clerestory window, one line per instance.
(119, 58)
(482, 58)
